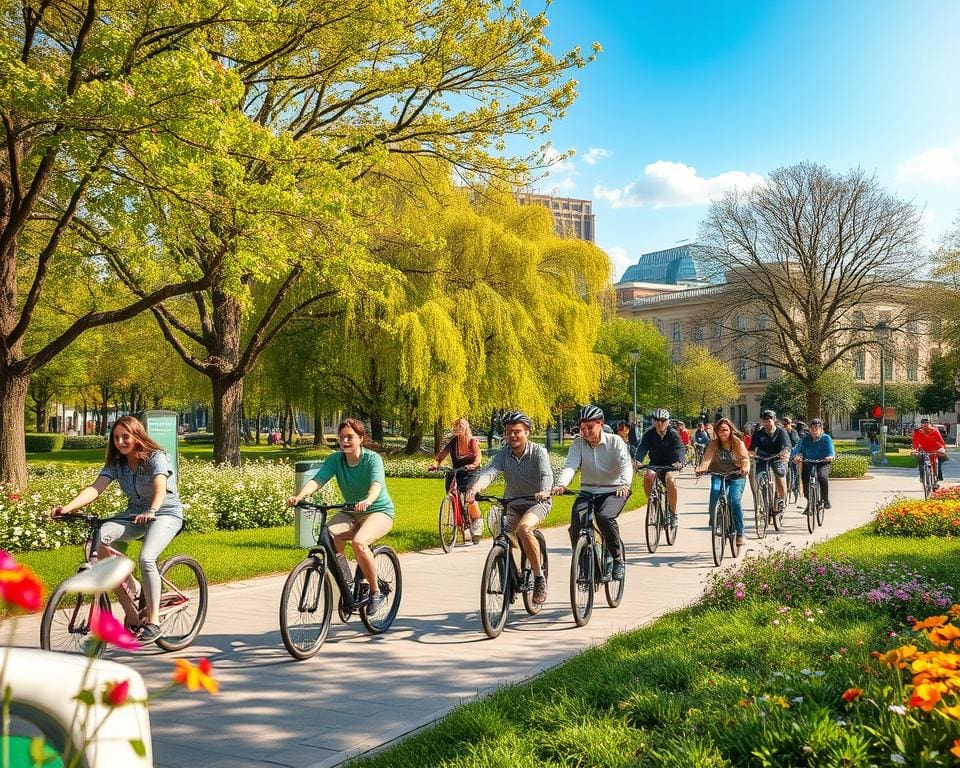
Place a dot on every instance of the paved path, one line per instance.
(361, 692)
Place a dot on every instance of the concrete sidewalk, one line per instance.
(361, 692)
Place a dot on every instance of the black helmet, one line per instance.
(590, 413)
(661, 414)
(517, 417)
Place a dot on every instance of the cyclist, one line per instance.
(701, 439)
(360, 477)
(526, 469)
(142, 470)
(663, 444)
(771, 444)
(792, 474)
(816, 445)
(464, 453)
(726, 453)
(604, 463)
(929, 439)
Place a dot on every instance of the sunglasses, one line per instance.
(661, 421)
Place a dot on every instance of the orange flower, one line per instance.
(932, 621)
(896, 659)
(926, 695)
(852, 694)
(955, 611)
(195, 677)
(943, 636)
(955, 749)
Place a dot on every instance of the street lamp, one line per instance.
(635, 356)
(882, 332)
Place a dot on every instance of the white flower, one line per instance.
(898, 709)
(898, 759)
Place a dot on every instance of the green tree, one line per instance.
(617, 338)
(940, 394)
(901, 396)
(702, 382)
(838, 391)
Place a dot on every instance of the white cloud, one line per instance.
(666, 184)
(595, 154)
(940, 165)
(620, 259)
(560, 173)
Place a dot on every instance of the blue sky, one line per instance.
(688, 98)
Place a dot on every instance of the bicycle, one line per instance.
(306, 602)
(453, 518)
(765, 501)
(502, 580)
(592, 563)
(722, 531)
(698, 450)
(815, 509)
(926, 478)
(659, 515)
(793, 483)
(66, 621)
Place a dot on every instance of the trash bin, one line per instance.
(305, 523)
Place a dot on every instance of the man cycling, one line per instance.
(771, 445)
(929, 439)
(816, 445)
(701, 439)
(526, 469)
(663, 444)
(792, 475)
(605, 468)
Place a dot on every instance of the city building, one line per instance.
(667, 271)
(571, 217)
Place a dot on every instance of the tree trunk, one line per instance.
(317, 421)
(13, 403)
(227, 396)
(813, 404)
(291, 426)
(437, 436)
(259, 424)
(376, 428)
(415, 438)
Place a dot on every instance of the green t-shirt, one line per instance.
(355, 482)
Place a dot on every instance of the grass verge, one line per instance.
(701, 687)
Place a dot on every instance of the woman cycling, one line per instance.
(725, 454)
(360, 478)
(142, 469)
(464, 453)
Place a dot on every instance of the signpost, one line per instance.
(162, 427)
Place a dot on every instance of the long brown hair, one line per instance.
(734, 433)
(357, 426)
(144, 445)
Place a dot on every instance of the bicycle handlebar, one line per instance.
(590, 494)
(310, 506)
(813, 461)
(659, 467)
(505, 500)
(91, 519)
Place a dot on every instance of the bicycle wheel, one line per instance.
(494, 600)
(927, 481)
(532, 608)
(183, 602)
(653, 524)
(65, 626)
(813, 498)
(717, 530)
(760, 515)
(821, 510)
(670, 530)
(731, 533)
(775, 513)
(614, 589)
(390, 582)
(581, 581)
(448, 524)
(793, 487)
(306, 605)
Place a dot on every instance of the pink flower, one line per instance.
(105, 627)
(116, 693)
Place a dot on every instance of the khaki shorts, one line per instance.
(530, 513)
(364, 529)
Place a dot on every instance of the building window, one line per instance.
(914, 327)
(676, 332)
(762, 369)
(913, 358)
(698, 333)
(887, 368)
(859, 321)
(741, 323)
(741, 370)
(761, 322)
(717, 329)
(859, 365)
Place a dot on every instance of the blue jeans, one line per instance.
(734, 494)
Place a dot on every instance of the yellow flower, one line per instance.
(926, 695)
(897, 658)
(955, 749)
(195, 677)
(943, 636)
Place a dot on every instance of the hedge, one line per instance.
(198, 438)
(44, 443)
(849, 465)
(81, 442)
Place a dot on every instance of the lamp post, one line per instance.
(881, 332)
(635, 356)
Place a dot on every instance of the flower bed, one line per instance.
(417, 466)
(936, 516)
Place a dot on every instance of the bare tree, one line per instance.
(809, 253)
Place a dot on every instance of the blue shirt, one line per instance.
(137, 484)
(816, 450)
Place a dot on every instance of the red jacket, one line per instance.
(931, 441)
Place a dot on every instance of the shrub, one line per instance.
(416, 466)
(43, 443)
(199, 438)
(81, 442)
(848, 465)
(919, 517)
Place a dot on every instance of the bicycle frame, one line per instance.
(589, 529)
(928, 479)
(349, 593)
(510, 543)
(659, 491)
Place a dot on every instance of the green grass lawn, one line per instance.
(233, 555)
(702, 687)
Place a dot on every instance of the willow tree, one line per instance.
(701, 382)
(336, 88)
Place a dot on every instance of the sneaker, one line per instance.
(740, 541)
(539, 590)
(377, 599)
(619, 570)
(826, 505)
(780, 505)
(148, 633)
(674, 520)
(476, 529)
